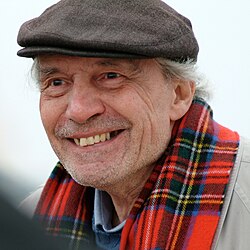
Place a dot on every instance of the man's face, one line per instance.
(108, 120)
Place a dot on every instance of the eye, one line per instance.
(55, 87)
(111, 75)
(56, 82)
(51, 83)
(110, 80)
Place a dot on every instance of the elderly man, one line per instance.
(142, 163)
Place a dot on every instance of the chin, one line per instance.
(93, 175)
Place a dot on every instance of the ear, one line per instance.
(183, 97)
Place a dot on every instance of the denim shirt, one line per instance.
(107, 237)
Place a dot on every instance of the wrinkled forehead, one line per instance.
(47, 64)
(46, 60)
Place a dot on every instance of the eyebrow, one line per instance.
(114, 62)
(130, 64)
(46, 71)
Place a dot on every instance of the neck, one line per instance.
(125, 193)
(123, 205)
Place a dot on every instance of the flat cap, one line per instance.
(109, 28)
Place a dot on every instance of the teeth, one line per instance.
(83, 142)
(92, 140)
(77, 141)
(102, 137)
(97, 138)
(108, 136)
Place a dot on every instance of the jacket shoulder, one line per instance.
(28, 205)
(242, 187)
(246, 150)
(236, 223)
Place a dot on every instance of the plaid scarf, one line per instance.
(180, 204)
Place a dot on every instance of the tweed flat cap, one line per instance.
(109, 28)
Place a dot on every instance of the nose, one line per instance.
(84, 102)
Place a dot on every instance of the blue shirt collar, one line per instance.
(103, 212)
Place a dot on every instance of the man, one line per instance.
(143, 165)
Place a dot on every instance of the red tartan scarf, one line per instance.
(180, 204)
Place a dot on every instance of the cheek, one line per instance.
(159, 110)
(47, 120)
(148, 111)
(143, 105)
(49, 112)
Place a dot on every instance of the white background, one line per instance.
(223, 32)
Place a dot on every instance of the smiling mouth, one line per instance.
(95, 139)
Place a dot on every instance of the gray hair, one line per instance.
(187, 71)
(35, 71)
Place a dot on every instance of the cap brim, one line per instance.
(32, 52)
